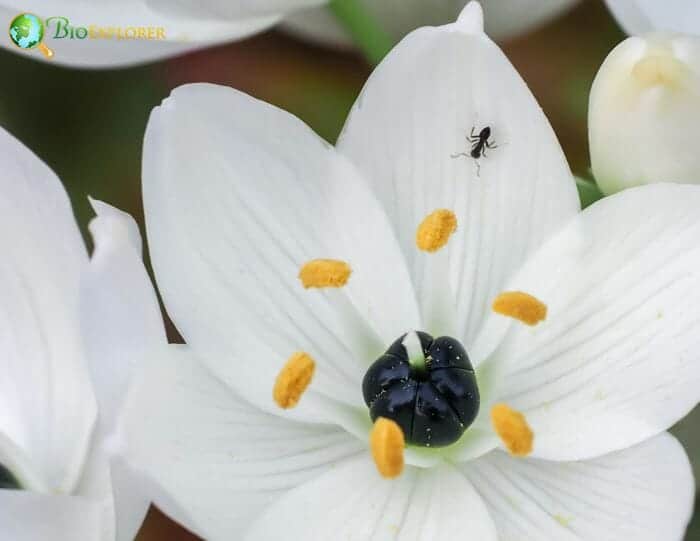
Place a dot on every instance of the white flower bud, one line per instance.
(644, 113)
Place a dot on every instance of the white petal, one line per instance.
(212, 454)
(182, 33)
(131, 499)
(238, 196)
(509, 19)
(687, 433)
(228, 9)
(96, 486)
(412, 118)
(120, 315)
(643, 113)
(398, 17)
(46, 404)
(617, 360)
(121, 492)
(352, 502)
(120, 319)
(30, 516)
(643, 493)
(640, 16)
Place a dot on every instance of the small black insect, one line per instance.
(479, 142)
(433, 407)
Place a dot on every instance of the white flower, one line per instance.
(187, 25)
(242, 200)
(193, 24)
(64, 320)
(398, 17)
(641, 16)
(644, 112)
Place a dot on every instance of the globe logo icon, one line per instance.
(27, 32)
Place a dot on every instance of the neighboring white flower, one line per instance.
(644, 113)
(188, 25)
(398, 17)
(641, 16)
(250, 214)
(65, 318)
(194, 24)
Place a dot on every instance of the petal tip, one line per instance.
(99, 207)
(471, 20)
(112, 223)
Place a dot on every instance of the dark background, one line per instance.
(88, 125)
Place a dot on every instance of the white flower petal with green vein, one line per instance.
(616, 361)
(643, 493)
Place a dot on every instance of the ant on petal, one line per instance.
(479, 142)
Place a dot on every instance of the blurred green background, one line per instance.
(88, 125)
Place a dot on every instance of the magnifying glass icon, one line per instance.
(27, 32)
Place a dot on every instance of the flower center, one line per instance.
(427, 386)
(7, 480)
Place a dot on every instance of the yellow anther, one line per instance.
(293, 380)
(435, 230)
(511, 426)
(521, 306)
(387, 443)
(325, 273)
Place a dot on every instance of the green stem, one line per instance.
(588, 192)
(367, 33)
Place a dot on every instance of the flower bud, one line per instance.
(644, 113)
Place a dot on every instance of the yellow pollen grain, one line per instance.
(564, 521)
(435, 230)
(387, 443)
(293, 380)
(521, 306)
(325, 273)
(511, 426)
